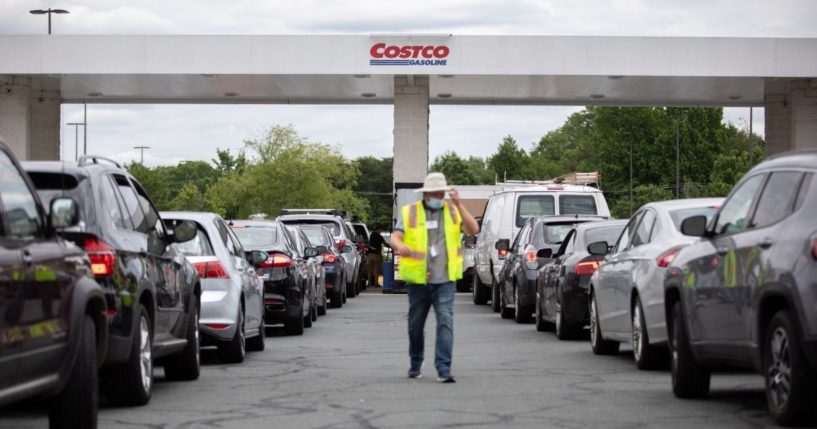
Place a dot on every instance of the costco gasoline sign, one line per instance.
(408, 55)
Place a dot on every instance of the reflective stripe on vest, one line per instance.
(414, 268)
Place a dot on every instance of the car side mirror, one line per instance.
(503, 244)
(310, 252)
(598, 248)
(346, 249)
(184, 231)
(64, 213)
(257, 257)
(694, 226)
(544, 253)
(322, 250)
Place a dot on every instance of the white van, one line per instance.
(507, 211)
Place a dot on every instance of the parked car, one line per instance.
(52, 312)
(152, 292)
(286, 286)
(469, 249)
(744, 295)
(343, 236)
(515, 292)
(361, 238)
(315, 271)
(506, 213)
(626, 292)
(562, 287)
(232, 294)
(332, 261)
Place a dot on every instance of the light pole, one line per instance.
(141, 153)
(48, 11)
(76, 138)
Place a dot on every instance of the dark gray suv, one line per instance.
(745, 294)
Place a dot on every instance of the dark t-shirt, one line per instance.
(376, 241)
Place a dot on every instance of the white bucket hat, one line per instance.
(435, 182)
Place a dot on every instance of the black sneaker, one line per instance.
(412, 374)
(449, 379)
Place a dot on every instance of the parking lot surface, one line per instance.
(348, 371)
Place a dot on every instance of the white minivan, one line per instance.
(506, 213)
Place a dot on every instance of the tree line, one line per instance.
(279, 168)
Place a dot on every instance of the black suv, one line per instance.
(52, 312)
(152, 292)
(745, 294)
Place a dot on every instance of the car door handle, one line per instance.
(722, 250)
(27, 259)
(766, 243)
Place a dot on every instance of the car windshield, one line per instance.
(256, 236)
(198, 246)
(577, 204)
(316, 236)
(551, 233)
(607, 233)
(529, 206)
(333, 227)
(679, 215)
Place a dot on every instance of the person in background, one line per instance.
(374, 256)
(427, 238)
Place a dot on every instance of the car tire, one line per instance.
(131, 383)
(336, 300)
(646, 356)
(187, 364)
(565, 331)
(257, 343)
(351, 289)
(495, 296)
(233, 351)
(541, 324)
(294, 326)
(521, 314)
(481, 294)
(343, 299)
(783, 358)
(76, 405)
(322, 308)
(599, 345)
(504, 311)
(308, 318)
(689, 378)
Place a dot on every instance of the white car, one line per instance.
(232, 304)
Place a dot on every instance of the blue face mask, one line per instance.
(434, 203)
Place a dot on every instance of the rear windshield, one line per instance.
(53, 185)
(552, 233)
(316, 236)
(257, 236)
(198, 246)
(608, 233)
(528, 206)
(679, 215)
(360, 230)
(333, 227)
(577, 204)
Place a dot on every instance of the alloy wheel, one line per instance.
(145, 354)
(594, 320)
(558, 319)
(779, 373)
(638, 344)
(196, 335)
(241, 333)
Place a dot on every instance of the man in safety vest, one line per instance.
(427, 238)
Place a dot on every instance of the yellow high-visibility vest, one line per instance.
(414, 268)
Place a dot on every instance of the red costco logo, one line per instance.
(408, 55)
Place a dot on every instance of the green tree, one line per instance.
(225, 163)
(510, 161)
(375, 185)
(642, 194)
(457, 170)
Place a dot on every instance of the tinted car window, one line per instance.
(777, 197)
(608, 234)
(627, 234)
(528, 206)
(735, 211)
(18, 202)
(551, 233)
(577, 204)
(679, 215)
(332, 226)
(642, 233)
(255, 237)
(53, 185)
(134, 211)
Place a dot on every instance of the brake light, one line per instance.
(665, 259)
(503, 254)
(587, 267)
(530, 258)
(217, 326)
(211, 270)
(102, 256)
(329, 258)
(276, 260)
(341, 243)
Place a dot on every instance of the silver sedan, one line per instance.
(626, 292)
(232, 305)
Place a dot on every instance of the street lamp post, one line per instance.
(142, 153)
(76, 138)
(48, 11)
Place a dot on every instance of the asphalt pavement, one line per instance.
(349, 371)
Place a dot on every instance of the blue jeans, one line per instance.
(421, 298)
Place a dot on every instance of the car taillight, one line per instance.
(665, 259)
(102, 256)
(341, 243)
(502, 254)
(211, 270)
(276, 260)
(217, 326)
(329, 258)
(530, 258)
(587, 267)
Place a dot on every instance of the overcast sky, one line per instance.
(179, 132)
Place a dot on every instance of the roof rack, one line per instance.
(94, 159)
(333, 212)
